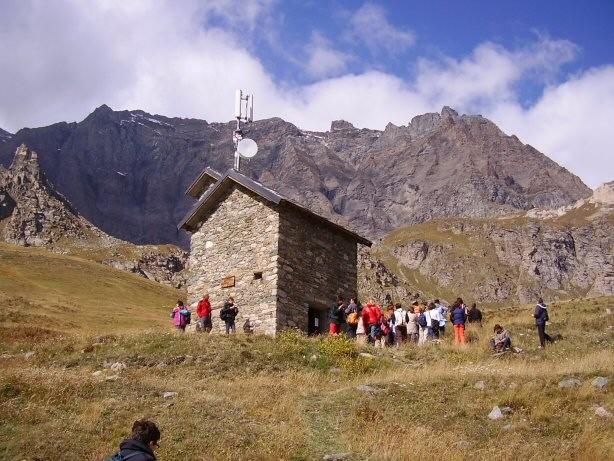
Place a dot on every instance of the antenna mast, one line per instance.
(244, 112)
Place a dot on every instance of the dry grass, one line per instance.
(291, 397)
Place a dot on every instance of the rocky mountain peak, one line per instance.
(447, 111)
(339, 125)
(4, 135)
(604, 194)
(33, 212)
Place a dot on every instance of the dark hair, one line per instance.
(436, 301)
(397, 305)
(457, 303)
(540, 300)
(497, 327)
(340, 298)
(415, 303)
(474, 305)
(180, 302)
(145, 431)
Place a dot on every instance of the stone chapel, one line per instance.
(284, 264)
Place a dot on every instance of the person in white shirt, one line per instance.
(400, 325)
(433, 321)
(422, 325)
(443, 315)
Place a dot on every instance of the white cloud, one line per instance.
(63, 59)
(370, 26)
(323, 60)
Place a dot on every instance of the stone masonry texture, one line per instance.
(303, 263)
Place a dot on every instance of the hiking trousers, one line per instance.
(459, 334)
(230, 326)
(543, 336)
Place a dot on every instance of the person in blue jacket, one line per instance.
(541, 318)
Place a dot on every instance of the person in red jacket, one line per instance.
(204, 314)
(371, 316)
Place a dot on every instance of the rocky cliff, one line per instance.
(32, 213)
(127, 171)
(558, 253)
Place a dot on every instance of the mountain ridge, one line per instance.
(126, 171)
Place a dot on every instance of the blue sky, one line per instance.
(541, 70)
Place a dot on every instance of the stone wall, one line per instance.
(238, 238)
(315, 265)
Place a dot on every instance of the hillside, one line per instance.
(294, 398)
(33, 213)
(557, 254)
(44, 294)
(126, 171)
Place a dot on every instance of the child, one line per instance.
(180, 316)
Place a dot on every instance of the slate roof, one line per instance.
(212, 195)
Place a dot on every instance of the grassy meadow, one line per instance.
(289, 397)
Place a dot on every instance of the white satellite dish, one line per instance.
(247, 148)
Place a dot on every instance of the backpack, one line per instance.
(119, 457)
(188, 318)
(353, 319)
(422, 320)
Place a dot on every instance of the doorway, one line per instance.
(317, 321)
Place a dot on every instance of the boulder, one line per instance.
(569, 383)
(600, 382)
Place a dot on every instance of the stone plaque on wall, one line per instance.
(228, 282)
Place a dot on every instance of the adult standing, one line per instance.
(204, 314)
(458, 317)
(541, 319)
(474, 315)
(337, 317)
(228, 314)
(400, 325)
(443, 315)
(412, 324)
(352, 317)
(371, 316)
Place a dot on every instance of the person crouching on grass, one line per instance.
(501, 341)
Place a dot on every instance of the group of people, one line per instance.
(394, 325)
(182, 317)
(420, 323)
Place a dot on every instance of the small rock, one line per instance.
(335, 370)
(506, 410)
(189, 359)
(512, 385)
(517, 350)
(28, 355)
(495, 413)
(507, 427)
(161, 366)
(118, 366)
(97, 373)
(336, 456)
(608, 311)
(603, 412)
(600, 382)
(461, 444)
(369, 389)
(169, 395)
(569, 383)
(366, 355)
(168, 404)
(112, 378)
(313, 358)
(480, 385)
